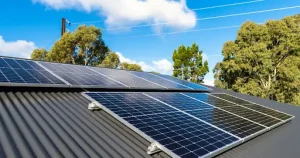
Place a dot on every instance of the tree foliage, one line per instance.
(263, 61)
(111, 61)
(189, 59)
(131, 67)
(84, 46)
(39, 54)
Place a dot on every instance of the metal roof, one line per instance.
(45, 122)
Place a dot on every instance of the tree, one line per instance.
(39, 54)
(84, 46)
(263, 61)
(189, 61)
(111, 61)
(131, 67)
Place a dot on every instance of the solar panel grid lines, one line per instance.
(66, 82)
(171, 81)
(226, 111)
(177, 100)
(237, 125)
(178, 134)
(161, 81)
(128, 79)
(252, 108)
(77, 75)
(108, 77)
(254, 116)
(17, 71)
(285, 118)
(216, 102)
(191, 115)
(146, 79)
(130, 104)
(183, 82)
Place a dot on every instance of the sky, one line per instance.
(145, 32)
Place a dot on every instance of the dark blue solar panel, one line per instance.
(185, 83)
(127, 78)
(80, 75)
(220, 118)
(178, 132)
(25, 71)
(159, 80)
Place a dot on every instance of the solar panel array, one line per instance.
(22, 71)
(189, 124)
(25, 72)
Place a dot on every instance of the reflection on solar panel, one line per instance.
(210, 99)
(179, 133)
(183, 82)
(128, 79)
(80, 75)
(256, 107)
(252, 115)
(25, 72)
(220, 118)
(159, 80)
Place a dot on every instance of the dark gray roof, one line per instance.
(56, 123)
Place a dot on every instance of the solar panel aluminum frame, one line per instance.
(151, 140)
(283, 121)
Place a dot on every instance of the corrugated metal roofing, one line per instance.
(56, 123)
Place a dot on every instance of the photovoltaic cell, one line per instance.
(220, 118)
(159, 80)
(178, 132)
(183, 82)
(25, 72)
(80, 75)
(254, 106)
(127, 78)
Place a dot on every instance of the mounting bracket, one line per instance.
(153, 148)
(94, 106)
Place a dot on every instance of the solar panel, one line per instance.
(256, 107)
(177, 133)
(161, 81)
(128, 79)
(229, 122)
(183, 82)
(25, 72)
(81, 75)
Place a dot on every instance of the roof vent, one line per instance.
(153, 148)
(94, 106)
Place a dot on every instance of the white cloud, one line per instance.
(162, 66)
(209, 82)
(120, 13)
(19, 48)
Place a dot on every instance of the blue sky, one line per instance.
(27, 24)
